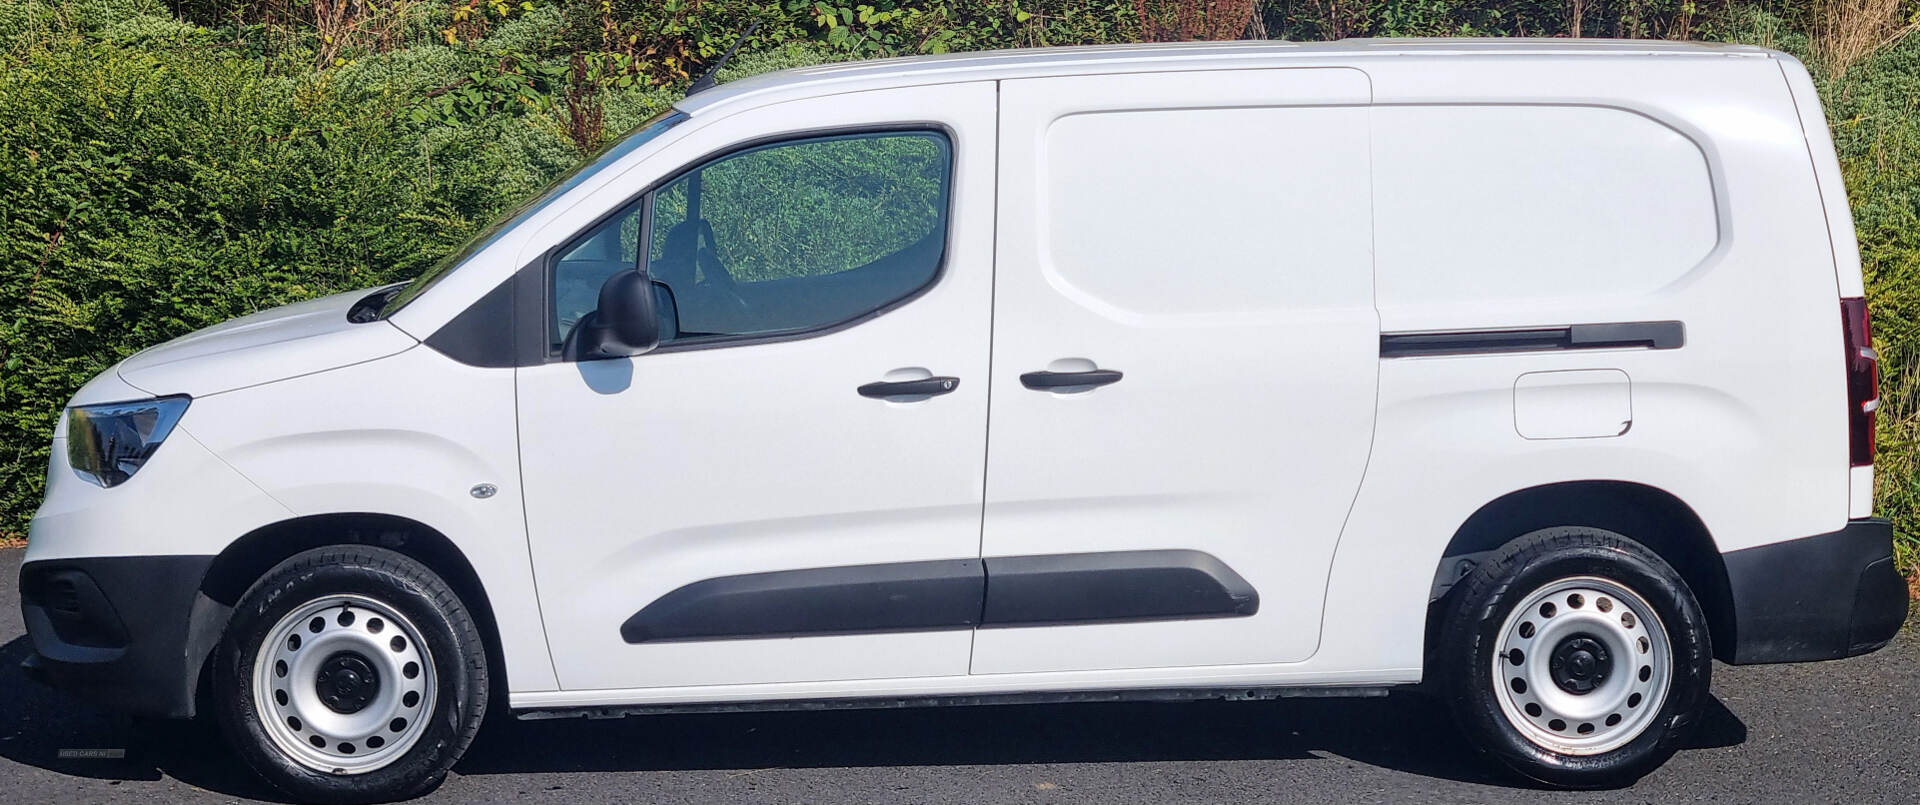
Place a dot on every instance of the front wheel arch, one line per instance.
(248, 558)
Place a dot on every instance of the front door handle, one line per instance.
(903, 390)
(1049, 381)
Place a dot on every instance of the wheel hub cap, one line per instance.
(1580, 664)
(346, 682)
(1583, 666)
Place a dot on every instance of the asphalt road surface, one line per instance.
(1844, 731)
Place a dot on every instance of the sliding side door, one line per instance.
(1184, 365)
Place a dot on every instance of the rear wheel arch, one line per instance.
(1645, 514)
(248, 558)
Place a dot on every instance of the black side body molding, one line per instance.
(1817, 598)
(1113, 586)
(1638, 334)
(1002, 591)
(898, 597)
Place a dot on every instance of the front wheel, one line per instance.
(1576, 656)
(351, 674)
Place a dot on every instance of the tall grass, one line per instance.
(1846, 31)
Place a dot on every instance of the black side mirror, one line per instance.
(626, 322)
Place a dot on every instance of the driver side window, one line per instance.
(780, 238)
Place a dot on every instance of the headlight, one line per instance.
(107, 443)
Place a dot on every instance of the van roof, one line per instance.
(827, 79)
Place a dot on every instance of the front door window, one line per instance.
(789, 237)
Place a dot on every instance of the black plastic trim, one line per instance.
(897, 597)
(1817, 598)
(368, 308)
(139, 647)
(489, 335)
(922, 387)
(1103, 696)
(1049, 381)
(1001, 591)
(482, 335)
(1113, 586)
(1615, 335)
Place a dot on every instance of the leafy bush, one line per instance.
(153, 184)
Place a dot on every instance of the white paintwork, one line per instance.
(1148, 239)
(105, 387)
(147, 515)
(1574, 404)
(282, 342)
(1840, 232)
(371, 437)
(1826, 167)
(1535, 204)
(646, 474)
(1860, 492)
(1208, 219)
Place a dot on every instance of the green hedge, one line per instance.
(154, 182)
(167, 166)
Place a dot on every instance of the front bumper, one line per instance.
(1817, 598)
(129, 633)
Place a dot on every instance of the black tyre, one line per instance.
(350, 674)
(1575, 656)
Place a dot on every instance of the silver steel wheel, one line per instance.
(344, 684)
(1583, 666)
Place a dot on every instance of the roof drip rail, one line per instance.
(707, 80)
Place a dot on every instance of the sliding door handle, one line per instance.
(905, 390)
(1052, 381)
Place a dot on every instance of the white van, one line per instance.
(1537, 371)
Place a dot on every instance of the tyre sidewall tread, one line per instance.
(459, 662)
(1470, 634)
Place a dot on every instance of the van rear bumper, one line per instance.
(128, 633)
(1816, 598)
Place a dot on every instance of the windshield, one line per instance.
(610, 154)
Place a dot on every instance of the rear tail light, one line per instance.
(1863, 380)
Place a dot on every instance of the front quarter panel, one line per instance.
(409, 436)
(184, 502)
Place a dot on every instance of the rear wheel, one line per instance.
(351, 674)
(1576, 656)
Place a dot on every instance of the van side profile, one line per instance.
(1535, 372)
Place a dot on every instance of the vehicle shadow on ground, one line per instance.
(1403, 732)
(38, 725)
